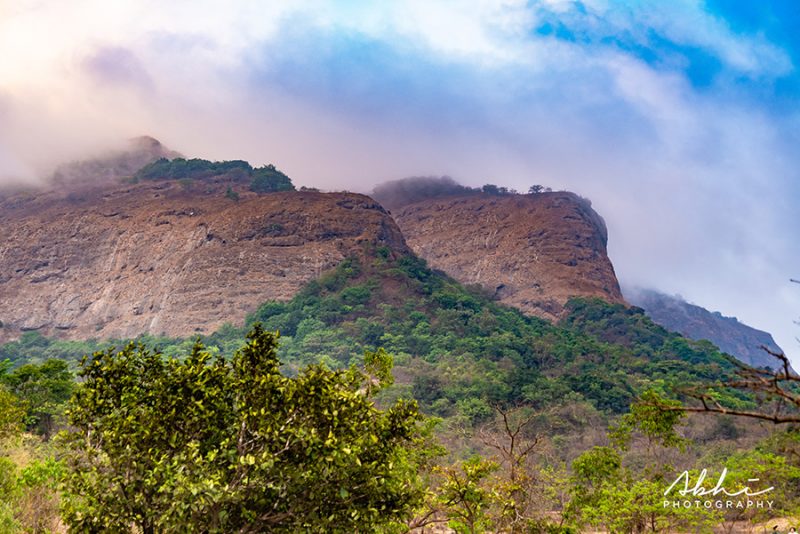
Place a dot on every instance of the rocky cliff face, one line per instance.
(169, 257)
(696, 322)
(532, 251)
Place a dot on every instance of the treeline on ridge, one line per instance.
(398, 193)
(266, 179)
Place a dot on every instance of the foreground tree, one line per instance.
(214, 445)
(608, 494)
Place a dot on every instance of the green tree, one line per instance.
(45, 390)
(231, 194)
(656, 424)
(12, 412)
(206, 444)
(607, 495)
(268, 179)
(466, 496)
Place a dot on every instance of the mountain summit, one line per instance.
(172, 256)
(532, 251)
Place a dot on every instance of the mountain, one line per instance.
(171, 256)
(695, 322)
(533, 252)
(186, 248)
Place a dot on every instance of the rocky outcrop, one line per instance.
(533, 252)
(695, 322)
(168, 257)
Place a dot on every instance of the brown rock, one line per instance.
(532, 251)
(161, 257)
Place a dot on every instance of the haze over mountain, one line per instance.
(114, 164)
(696, 322)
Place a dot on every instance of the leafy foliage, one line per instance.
(216, 445)
(268, 179)
(465, 498)
(647, 416)
(607, 495)
(457, 349)
(463, 350)
(264, 179)
(208, 436)
(45, 390)
(12, 411)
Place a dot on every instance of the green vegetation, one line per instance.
(30, 496)
(460, 350)
(266, 179)
(464, 352)
(231, 194)
(310, 431)
(609, 493)
(46, 388)
(216, 445)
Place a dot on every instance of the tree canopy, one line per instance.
(208, 444)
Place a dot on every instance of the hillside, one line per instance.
(186, 247)
(188, 250)
(170, 257)
(459, 350)
(456, 350)
(532, 252)
(695, 322)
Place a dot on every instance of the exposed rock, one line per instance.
(161, 257)
(695, 322)
(532, 251)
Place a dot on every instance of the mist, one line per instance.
(685, 144)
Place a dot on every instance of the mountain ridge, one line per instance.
(185, 253)
(695, 322)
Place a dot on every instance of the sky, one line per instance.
(680, 120)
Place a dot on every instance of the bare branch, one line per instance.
(778, 387)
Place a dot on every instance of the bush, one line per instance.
(231, 444)
(265, 179)
(268, 179)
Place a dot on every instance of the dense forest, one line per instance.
(383, 397)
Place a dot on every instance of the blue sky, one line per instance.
(679, 119)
